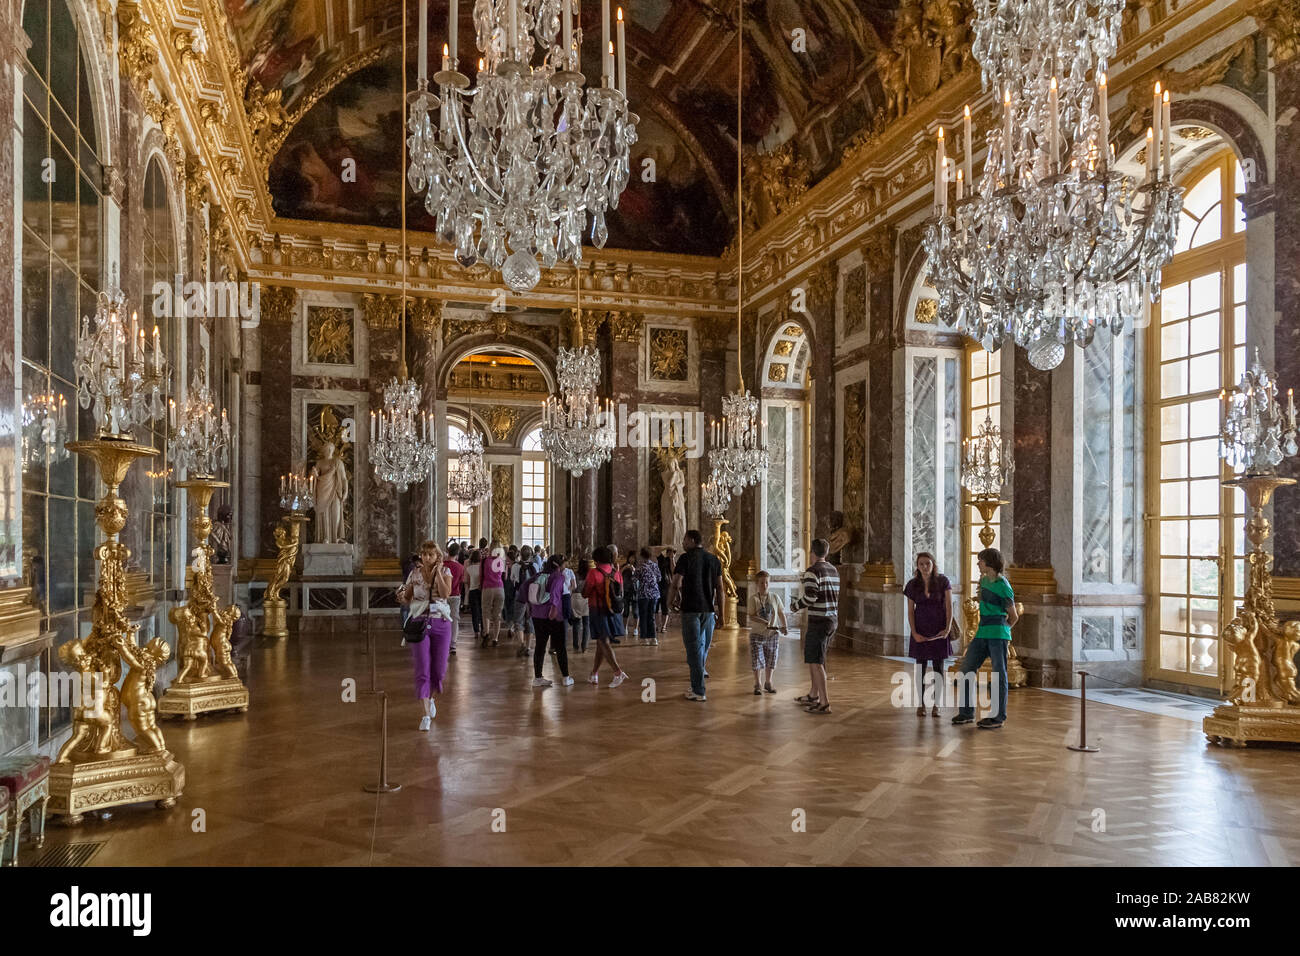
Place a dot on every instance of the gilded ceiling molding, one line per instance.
(774, 183)
(277, 303)
(136, 50)
(196, 184)
(223, 243)
(265, 116)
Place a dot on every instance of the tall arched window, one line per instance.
(784, 498)
(535, 500)
(1197, 346)
(983, 402)
(459, 515)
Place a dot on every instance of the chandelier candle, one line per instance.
(622, 55)
(607, 61)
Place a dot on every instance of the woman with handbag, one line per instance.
(428, 627)
(929, 618)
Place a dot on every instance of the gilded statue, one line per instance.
(329, 336)
(1284, 669)
(286, 554)
(137, 691)
(722, 551)
(947, 29)
(191, 644)
(92, 717)
(1240, 636)
(222, 624)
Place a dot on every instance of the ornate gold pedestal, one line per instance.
(287, 536)
(722, 551)
(1265, 704)
(987, 505)
(207, 680)
(98, 767)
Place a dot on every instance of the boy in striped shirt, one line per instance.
(820, 597)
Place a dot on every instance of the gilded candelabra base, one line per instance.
(288, 533)
(207, 682)
(98, 767)
(1264, 705)
(722, 551)
(88, 785)
(730, 613)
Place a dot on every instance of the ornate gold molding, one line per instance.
(625, 326)
(136, 49)
(277, 303)
(1280, 22)
(381, 311)
(878, 252)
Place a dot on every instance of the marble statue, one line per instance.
(331, 494)
(672, 503)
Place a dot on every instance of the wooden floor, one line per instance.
(589, 775)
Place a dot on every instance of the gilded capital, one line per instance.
(277, 303)
(381, 311)
(625, 326)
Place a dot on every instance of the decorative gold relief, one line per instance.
(855, 300)
(501, 420)
(503, 497)
(276, 303)
(288, 533)
(266, 116)
(329, 335)
(668, 354)
(1280, 21)
(927, 311)
(625, 326)
(777, 371)
(136, 51)
(783, 348)
(820, 284)
(878, 252)
(774, 184)
(855, 454)
(793, 331)
(381, 311)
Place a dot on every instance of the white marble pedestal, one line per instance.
(327, 560)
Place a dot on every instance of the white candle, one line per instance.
(1290, 405)
(622, 55)
(157, 351)
(446, 57)
(453, 27)
(423, 49)
(512, 38)
(1103, 114)
(1164, 133)
(938, 168)
(959, 185)
(134, 331)
(1151, 154)
(1156, 112)
(607, 65)
(372, 427)
(1054, 130)
(171, 411)
(1006, 133)
(567, 20)
(966, 143)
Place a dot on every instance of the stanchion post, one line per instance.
(1082, 746)
(370, 649)
(383, 786)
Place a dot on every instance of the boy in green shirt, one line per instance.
(997, 614)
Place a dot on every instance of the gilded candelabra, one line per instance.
(1264, 704)
(274, 607)
(98, 767)
(207, 680)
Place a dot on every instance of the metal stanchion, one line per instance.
(1083, 717)
(370, 649)
(383, 786)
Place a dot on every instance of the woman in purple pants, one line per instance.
(425, 593)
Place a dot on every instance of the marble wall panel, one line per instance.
(1031, 493)
(880, 459)
(1286, 302)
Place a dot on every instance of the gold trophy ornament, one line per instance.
(1263, 703)
(124, 380)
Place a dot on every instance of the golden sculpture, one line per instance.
(501, 421)
(199, 687)
(722, 551)
(274, 607)
(1017, 676)
(668, 354)
(219, 643)
(329, 335)
(98, 768)
(503, 496)
(1264, 704)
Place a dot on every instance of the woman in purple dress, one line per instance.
(929, 615)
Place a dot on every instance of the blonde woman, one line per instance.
(428, 629)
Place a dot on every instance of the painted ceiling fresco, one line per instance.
(334, 62)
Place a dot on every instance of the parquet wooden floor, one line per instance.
(588, 775)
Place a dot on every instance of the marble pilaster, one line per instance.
(1286, 302)
(625, 348)
(1031, 485)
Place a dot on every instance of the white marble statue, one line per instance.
(672, 503)
(331, 493)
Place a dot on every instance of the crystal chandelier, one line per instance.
(577, 431)
(200, 441)
(1256, 436)
(469, 482)
(738, 455)
(520, 160)
(987, 463)
(400, 448)
(45, 428)
(1053, 242)
(117, 374)
(714, 496)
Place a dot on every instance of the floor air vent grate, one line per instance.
(70, 854)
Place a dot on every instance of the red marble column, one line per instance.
(625, 344)
(1286, 300)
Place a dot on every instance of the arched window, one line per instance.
(1197, 345)
(459, 515)
(61, 244)
(784, 497)
(535, 500)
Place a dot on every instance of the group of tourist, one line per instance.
(542, 605)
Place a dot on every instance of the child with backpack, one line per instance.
(521, 575)
(603, 590)
(545, 603)
(581, 619)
